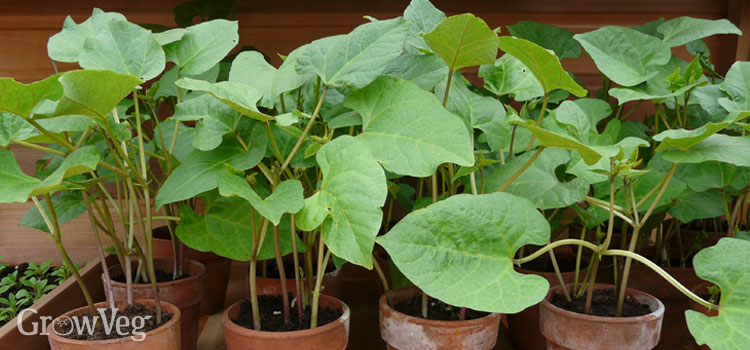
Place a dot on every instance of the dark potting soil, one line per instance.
(272, 271)
(436, 310)
(161, 276)
(148, 316)
(272, 315)
(603, 303)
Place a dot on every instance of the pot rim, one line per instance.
(657, 313)
(433, 323)
(193, 264)
(171, 308)
(231, 326)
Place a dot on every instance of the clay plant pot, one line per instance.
(166, 337)
(272, 286)
(568, 330)
(701, 289)
(331, 336)
(404, 332)
(217, 270)
(185, 293)
(675, 334)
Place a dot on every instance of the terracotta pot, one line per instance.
(217, 270)
(272, 286)
(404, 332)
(332, 336)
(186, 294)
(567, 330)
(701, 289)
(675, 335)
(166, 337)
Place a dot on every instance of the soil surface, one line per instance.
(436, 310)
(129, 313)
(161, 276)
(272, 315)
(604, 303)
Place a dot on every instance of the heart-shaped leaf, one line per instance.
(463, 41)
(582, 114)
(543, 64)
(728, 265)
(697, 205)
(684, 139)
(552, 139)
(717, 147)
(549, 37)
(423, 17)
(737, 85)
(460, 250)
(508, 76)
(67, 45)
(431, 136)
(682, 30)
(286, 198)
(624, 54)
(203, 46)
(15, 186)
(20, 99)
(215, 119)
(357, 58)
(425, 70)
(241, 97)
(251, 68)
(13, 127)
(348, 203)
(704, 176)
(94, 93)
(82, 160)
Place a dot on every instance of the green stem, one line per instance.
(539, 119)
(52, 136)
(521, 170)
(39, 148)
(322, 262)
(306, 131)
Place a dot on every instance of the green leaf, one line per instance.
(682, 30)
(125, 48)
(431, 136)
(225, 229)
(704, 176)
(357, 58)
(199, 171)
(463, 41)
(539, 182)
(82, 160)
(684, 139)
(215, 119)
(20, 99)
(351, 195)
(552, 139)
(728, 265)
(286, 198)
(549, 37)
(67, 45)
(15, 186)
(544, 65)
(68, 206)
(13, 127)
(697, 205)
(423, 17)
(737, 85)
(623, 54)
(460, 250)
(582, 114)
(241, 97)
(94, 93)
(251, 68)
(169, 36)
(424, 70)
(203, 46)
(509, 76)
(649, 92)
(708, 96)
(717, 147)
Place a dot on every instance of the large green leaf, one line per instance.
(68, 206)
(251, 68)
(549, 37)
(15, 186)
(183, 145)
(67, 45)
(199, 171)
(226, 229)
(357, 58)
(407, 129)
(425, 70)
(717, 147)
(215, 119)
(737, 85)
(708, 96)
(94, 93)
(241, 97)
(682, 30)
(20, 99)
(82, 160)
(539, 184)
(624, 54)
(286, 198)
(508, 76)
(684, 139)
(349, 201)
(553, 139)
(697, 205)
(543, 64)
(203, 46)
(704, 176)
(423, 17)
(582, 114)
(648, 92)
(13, 127)
(460, 250)
(125, 48)
(463, 41)
(728, 265)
